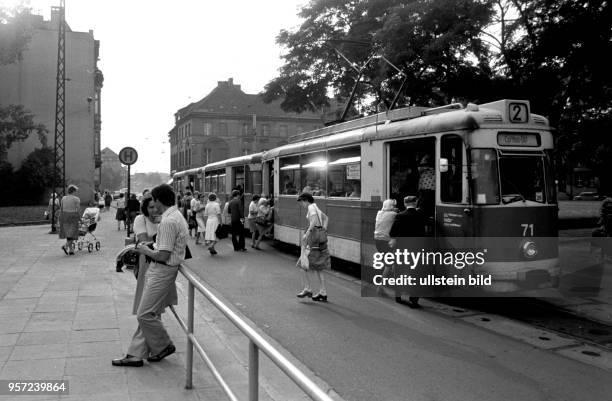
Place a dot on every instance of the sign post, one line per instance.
(128, 156)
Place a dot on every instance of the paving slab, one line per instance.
(65, 317)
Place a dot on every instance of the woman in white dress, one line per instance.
(198, 209)
(212, 214)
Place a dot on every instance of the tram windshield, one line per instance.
(507, 178)
(522, 178)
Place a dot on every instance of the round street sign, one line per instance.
(128, 156)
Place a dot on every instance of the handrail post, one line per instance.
(253, 371)
(189, 356)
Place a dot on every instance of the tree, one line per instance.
(34, 177)
(16, 123)
(15, 33)
(435, 43)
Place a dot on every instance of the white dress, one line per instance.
(212, 211)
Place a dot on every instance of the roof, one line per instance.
(228, 98)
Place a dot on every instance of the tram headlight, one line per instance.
(529, 249)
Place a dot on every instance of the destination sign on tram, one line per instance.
(518, 139)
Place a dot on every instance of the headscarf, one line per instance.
(388, 205)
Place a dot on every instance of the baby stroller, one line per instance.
(87, 226)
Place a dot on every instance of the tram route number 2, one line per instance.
(527, 230)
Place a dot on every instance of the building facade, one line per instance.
(31, 82)
(228, 123)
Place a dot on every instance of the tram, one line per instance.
(490, 166)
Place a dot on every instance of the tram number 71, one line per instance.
(527, 228)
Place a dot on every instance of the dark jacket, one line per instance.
(409, 223)
(235, 210)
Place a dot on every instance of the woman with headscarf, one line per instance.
(69, 219)
(263, 221)
(382, 227)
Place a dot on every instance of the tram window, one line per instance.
(485, 184)
(404, 159)
(207, 183)
(289, 175)
(253, 184)
(221, 184)
(314, 166)
(551, 187)
(522, 178)
(238, 177)
(213, 184)
(451, 181)
(344, 172)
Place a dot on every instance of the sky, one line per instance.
(159, 56)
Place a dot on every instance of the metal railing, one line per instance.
(256, 343)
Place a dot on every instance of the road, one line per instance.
(373, 349)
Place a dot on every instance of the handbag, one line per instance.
(318, 235)
(221, 231)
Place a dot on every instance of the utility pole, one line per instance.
(59, 148)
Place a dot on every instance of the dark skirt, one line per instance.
(319, 259)
(120, 215)
(69, 225)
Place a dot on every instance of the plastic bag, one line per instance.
(302, 262)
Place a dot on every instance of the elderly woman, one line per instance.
(69, 219)
(212, 214)
(263, 221)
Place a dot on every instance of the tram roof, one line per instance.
(440, 120)
(235, 161)
(186, 172)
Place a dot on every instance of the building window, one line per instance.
(207, 155)
(222, 128)
(265, 129)
(207, 129)
(282, 130)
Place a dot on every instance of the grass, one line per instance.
(21, 214)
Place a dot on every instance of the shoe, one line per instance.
(320, 298)
(258, 248)
(212, 251)
(304, 293)
(169, 350)
(118, 270)
(243, 250)
(128, 361)
(64, 249)
(414, 302)
(71, 253)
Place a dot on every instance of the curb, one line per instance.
(25, 223)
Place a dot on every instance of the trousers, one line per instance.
(151, 336)
(237, 235)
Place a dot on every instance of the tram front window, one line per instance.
(522, 179)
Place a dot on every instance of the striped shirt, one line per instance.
(172, 235)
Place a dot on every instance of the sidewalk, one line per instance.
(66, 317)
